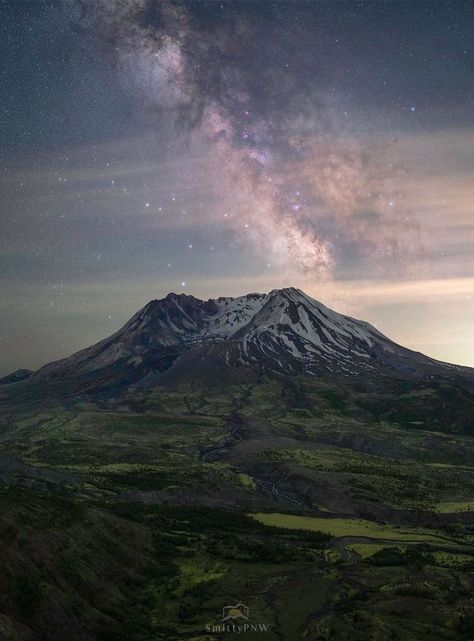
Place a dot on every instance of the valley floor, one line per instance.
(144, 518)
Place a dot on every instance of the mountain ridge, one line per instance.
(285, 332)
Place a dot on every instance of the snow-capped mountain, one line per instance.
(284, 332)
(159, 332)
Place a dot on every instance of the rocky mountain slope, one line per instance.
(283, 333)
(17, 375)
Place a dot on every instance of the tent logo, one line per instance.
(236, 620)
(239, 612)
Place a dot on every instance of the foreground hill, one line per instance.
(141, 517)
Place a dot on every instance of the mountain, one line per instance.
(284, 333)
(309, 447)
(16, 376)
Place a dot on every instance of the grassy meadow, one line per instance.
(141, 518)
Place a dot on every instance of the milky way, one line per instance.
(285, 167)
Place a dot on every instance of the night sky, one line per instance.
(219, 148)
